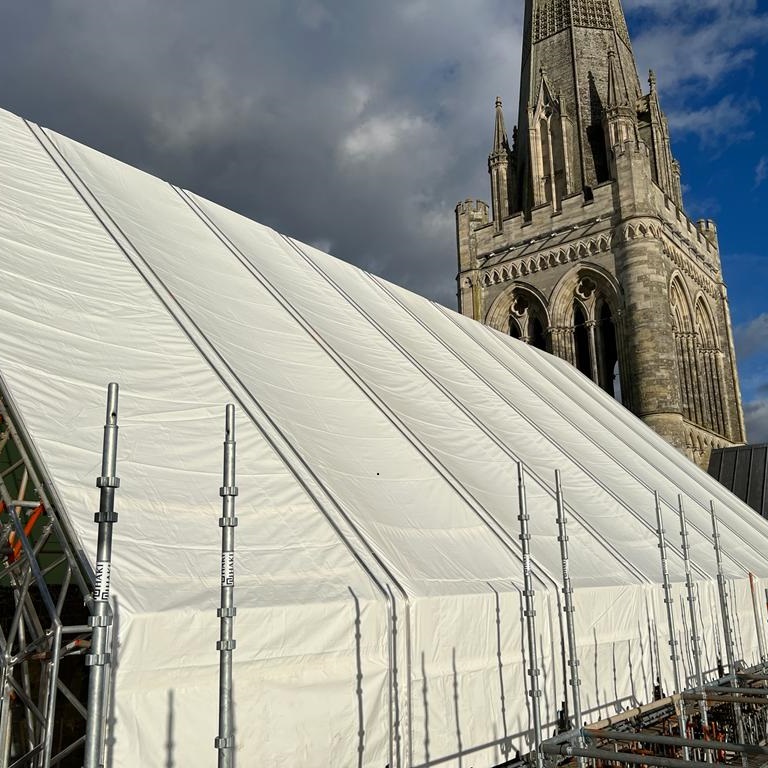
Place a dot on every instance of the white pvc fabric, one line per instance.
(379, 572)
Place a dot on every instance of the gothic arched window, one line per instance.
(549, 149)
(682, 328)
(587, 328)
(528, 319)
(710, 370)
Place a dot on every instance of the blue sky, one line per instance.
(359, 126)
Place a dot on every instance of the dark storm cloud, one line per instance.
(756, 417)
(353, 126)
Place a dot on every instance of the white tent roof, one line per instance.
(378, 564)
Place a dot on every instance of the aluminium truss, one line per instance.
(44, 631)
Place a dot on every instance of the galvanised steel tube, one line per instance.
(673, 655)
(674, 741)
(530, 615)
(695, 638)
(718, 698)
(756, 611)
(573, 661)
(566, 750)
(101, 615)
(225, 741)
(727, 631)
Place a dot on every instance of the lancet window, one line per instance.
(709, 360)
(685, 344)
(699, 361)
(586, 328)
(595, 340)
(549, 145)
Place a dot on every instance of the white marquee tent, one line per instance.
(379, 573)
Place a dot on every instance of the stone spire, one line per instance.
(501, 169)
(565, 53)
(617, 89)
(500, 141)
(620, 115)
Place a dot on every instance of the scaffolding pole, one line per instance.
(225, 741)
(758, 621)
(673, 741)
(673, 643)
(98, 659)
(573, 660)
(530, 616)
(695, 637)
(726, 619)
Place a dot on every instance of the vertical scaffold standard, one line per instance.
(98, 659)
(225, 741)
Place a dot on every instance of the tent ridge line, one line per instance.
(240, 399)
(197, 345)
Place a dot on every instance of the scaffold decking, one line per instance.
(391, 455)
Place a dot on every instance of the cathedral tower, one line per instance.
(586, 251)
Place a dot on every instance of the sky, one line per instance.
(357, 126)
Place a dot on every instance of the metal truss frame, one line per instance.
(45, 592)
(731, 727)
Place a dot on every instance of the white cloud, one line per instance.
(380, 136)
(751, 338)
(696, 43)
(761, 171)
(727, 120)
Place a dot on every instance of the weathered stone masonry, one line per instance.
(586, 250)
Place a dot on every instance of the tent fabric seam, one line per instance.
(227, 384)
(506, 537)
(639, 430)
(543, 483)
(477, 507)
(578, 429)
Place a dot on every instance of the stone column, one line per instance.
(650, 339)
(594, 365)
(694, 377)
(728, 430)
(569, 345)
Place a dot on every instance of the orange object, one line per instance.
(16, 545)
